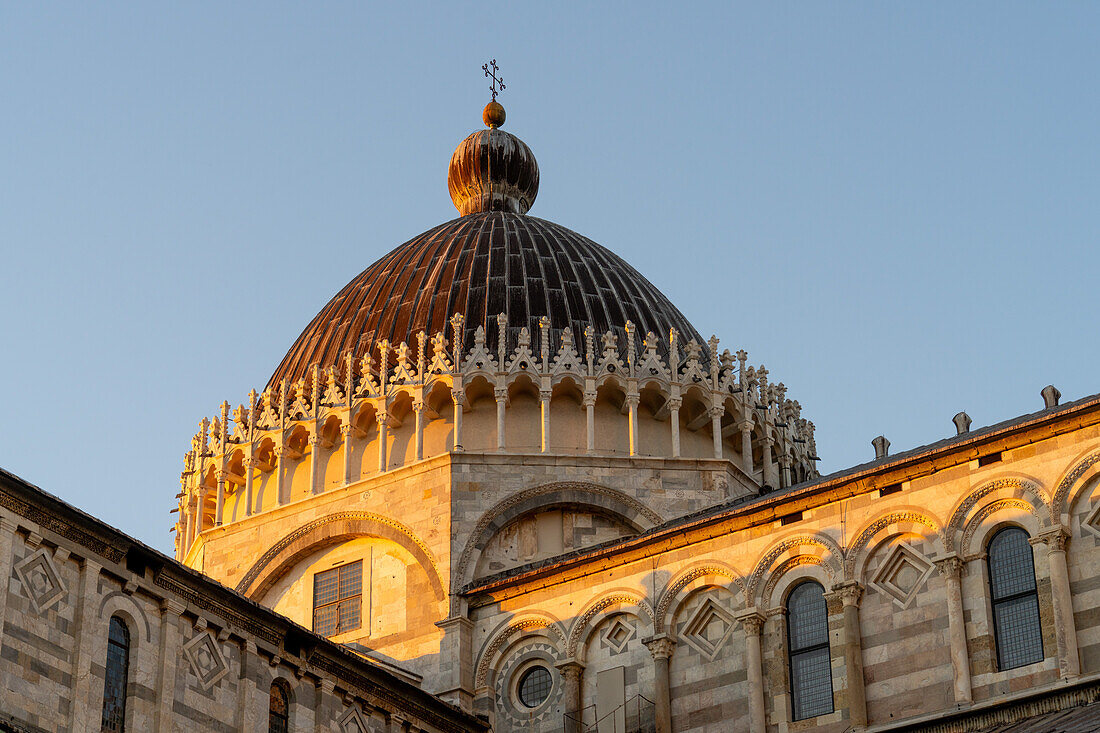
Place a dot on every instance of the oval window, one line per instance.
(534, 686)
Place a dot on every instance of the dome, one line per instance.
(492, 170)
(480, 265)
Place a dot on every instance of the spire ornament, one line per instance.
(493, 114)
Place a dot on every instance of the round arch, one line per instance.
(687, 581)
(1065, 495)
(608, 603)
(567, 493)
(305, 540)
(1009, 487)
(801, 549)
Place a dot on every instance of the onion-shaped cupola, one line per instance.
(493, 170)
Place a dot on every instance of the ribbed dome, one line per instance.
(480, 265)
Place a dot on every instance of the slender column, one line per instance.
(661, 647)
(345, 430)
(170, 611)
(753, 624)
(382, 431)
(457, 396)
(201, 506)
(220, 507)
(544, 400)
(746, 445)
(418, 408)
(571, 675)
(501, 394)
(249, 468)
(766, 460)
(951, 568)
(590, 422)
(632, 427)
(785, 470)
(189, 537)
(314, 450)
(1069, 663)
(716, 413)
(674, 414)
(850, 593)
(280, 466)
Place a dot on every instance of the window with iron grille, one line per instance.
(338, 599)
(808, 650)
(278, 717)
(534, 686)
(116, 672)
(1015, 601)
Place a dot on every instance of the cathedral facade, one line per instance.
(500, 481)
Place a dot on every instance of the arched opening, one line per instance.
(1015, 599)
(278, 715)
(116, 674)
(808, 651)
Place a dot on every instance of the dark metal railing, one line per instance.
(635, 715)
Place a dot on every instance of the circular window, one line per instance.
(534, 686)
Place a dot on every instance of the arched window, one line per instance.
(278, 717)
(1015, 601)
(116, 674)
(808, 649)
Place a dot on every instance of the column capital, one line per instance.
(950, 566)
(346, 428)
(633, 400)
(589, 399)
(752, 622)
(675, 403)
(849, 591)
(314, 440)
(745, 426)
(716, 410)
(660, 646)
(501, 393)
(381, 417)
(1055, 539)
(571, 669)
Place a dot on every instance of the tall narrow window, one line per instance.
(278, 717)
(338, 599)
(808, 649)
(115, 677)
(1015, 600)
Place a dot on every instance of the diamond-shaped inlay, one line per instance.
(352, 721)
(709, 628)
(206, 659)
(41, 581)
(1092, 521)
(618, 634)
(902, 574)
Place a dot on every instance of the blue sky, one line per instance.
(892, 206)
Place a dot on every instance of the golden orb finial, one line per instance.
(493, 115)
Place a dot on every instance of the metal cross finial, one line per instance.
(493, 75)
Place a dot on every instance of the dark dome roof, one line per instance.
(480, 265)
